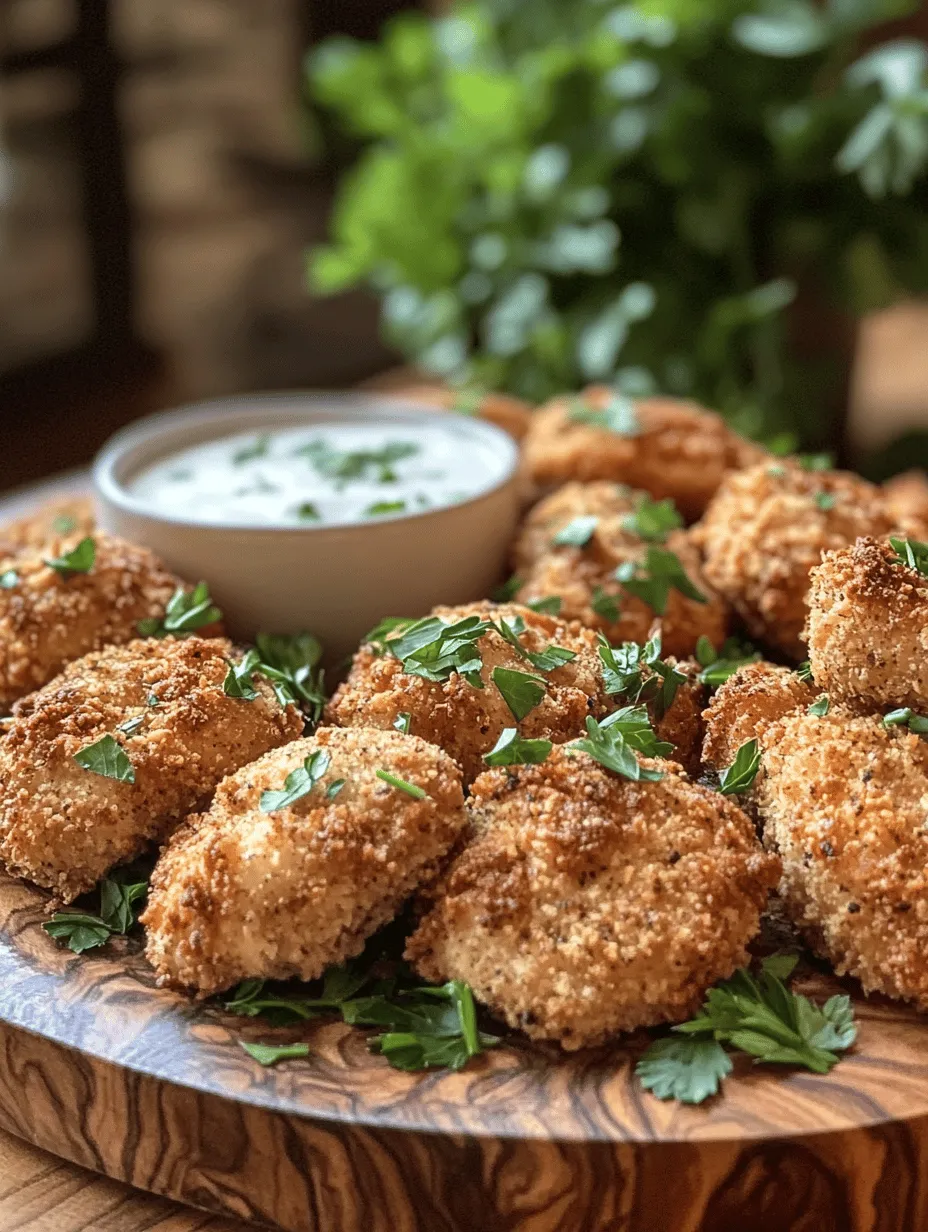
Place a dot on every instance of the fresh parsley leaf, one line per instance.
(118, 914)
(377, 637)
(334, 788)
(635, 727)
(690, 1069)
(617, 416)
(511, 750)
(652, 520)
(816, 461)
(239, 681)
(717, 668)
(402, 722)
(107, 758)
(411, 789)
(433, 649)
(743, 770)
(825, 501)
(382, 508)
(82, 932)
(605, 605)
(653, 580)
(906, 717)
(507, 590)
(258, 448)
(637, 673)
(79, 560)
(308, 512)
(130, 726)
(548, 605)
(520, 691)
(511, 628)
(609, 747)
(63, 524)
(117, 903)
(362, 464)
(911, 552)
(577, 533)
(820, 707)
(804, 672)
(186, 612)
(8, 579)
(291, 664)
(270, 1054)
(298, 783)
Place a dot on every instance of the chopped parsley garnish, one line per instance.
(825, 501)
(186, 612)
(308, 512)
(382, 508)
(507, 590)
(520, 691)
(717, 667)
(653, 580)
(298, 783)
(804, 672)
(634, 724)
(510, 628)
(361, 464)
(270, 1054)
(743, 770)
(652, 520)
(816, 461)
(548, 605)
(605, 605)
(131, 726)
(912, 552)
(377, 638)
(906, 717)
(411, 789)
(79, 560)
(239, 681)
(617, 416)
(8, 579)
(432, 649)
(118, 913)
(334, 788)
(63, 524)
(258, 448)
(291, 664)
(577, 533)
(609, 746)
(511, 750)
(107, 758)
(759, 1016)
(403, 722)
(625, 674)
(820, 707)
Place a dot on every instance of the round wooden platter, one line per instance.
(151, 1088)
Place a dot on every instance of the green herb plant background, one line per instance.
(564, 191)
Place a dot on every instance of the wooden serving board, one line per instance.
(146, 1086)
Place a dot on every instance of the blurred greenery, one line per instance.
(570, 191)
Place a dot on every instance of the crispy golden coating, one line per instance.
(511, 414)
(844, 801)
(868, 627)
(681, 450)
(766, 530)
(578, 576)
(682, 725)
(756, 695)
(47, 620)
(587, 904)
(69, 515)
(466, 721)
(63, 826)
(906, 497)
(240, 893)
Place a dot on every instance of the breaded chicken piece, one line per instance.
(581, 576)
(66, 516)
(843, 800)
(681, 724)
(868, 627)
(906, 497)
(766, 530)
(467, 721)
(511, 414)
(587, 904)
(47, 619)
(241, 893)
(753, 697)
(680, 450)
(63, 826)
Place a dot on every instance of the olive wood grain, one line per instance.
(104, 1069)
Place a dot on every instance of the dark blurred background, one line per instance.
(159, 185)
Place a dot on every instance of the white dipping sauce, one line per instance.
(316, 476)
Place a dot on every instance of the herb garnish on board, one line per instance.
(120, 907)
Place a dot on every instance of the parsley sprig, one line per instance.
(911, 552)
(433, 649)
(653, 579)
(186, 612)
(291, 664)
(107, 758)
(759, 1016)
(742, 772)
(652, 520)
(348, 466)
(637, 673)
(120, 907)
(717, 666)
(512, 750)
(613, 743)
(617, 416)
(80, 559)
(905, 716)
(298, 783)
(511, 628)
(577, 533)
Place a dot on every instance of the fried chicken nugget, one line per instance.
(753, 697)
(587, 904)
(679, 449)
(868, 626)
(70, 515)
(63, 826)
(464, 720)
(48, 618)
(767, 528)
(242, 893)
(582, 577)
(843, 800)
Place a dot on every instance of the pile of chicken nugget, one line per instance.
(577, 901)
